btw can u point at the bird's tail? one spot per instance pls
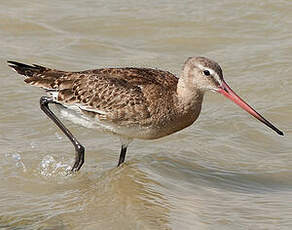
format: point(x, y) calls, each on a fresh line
point(37, 75)
point(27, 70)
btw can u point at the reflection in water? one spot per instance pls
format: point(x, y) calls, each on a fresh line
point(125, 195)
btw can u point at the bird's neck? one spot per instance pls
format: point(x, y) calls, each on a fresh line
point(188, 104)
point(189, 98)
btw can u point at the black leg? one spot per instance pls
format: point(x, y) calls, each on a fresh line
point(79, 149)
point(122, 154)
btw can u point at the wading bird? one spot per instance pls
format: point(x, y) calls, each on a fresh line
point(141, 103)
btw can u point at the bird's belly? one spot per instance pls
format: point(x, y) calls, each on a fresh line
point(75, 116)
point(133, 131)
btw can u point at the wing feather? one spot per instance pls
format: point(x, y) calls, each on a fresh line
point(120, 95)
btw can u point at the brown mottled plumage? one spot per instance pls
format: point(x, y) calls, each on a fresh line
point(133, 103)
point(124, 96)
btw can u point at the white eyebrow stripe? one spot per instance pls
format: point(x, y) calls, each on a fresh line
point(212, 72)
point(205, 68)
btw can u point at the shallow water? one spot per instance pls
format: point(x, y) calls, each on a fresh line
point(227, 171)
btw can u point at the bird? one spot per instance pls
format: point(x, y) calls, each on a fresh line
point(130, 102)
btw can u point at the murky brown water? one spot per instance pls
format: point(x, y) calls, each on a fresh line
point(227, 171)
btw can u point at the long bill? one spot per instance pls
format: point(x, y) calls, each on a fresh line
point(229, 93)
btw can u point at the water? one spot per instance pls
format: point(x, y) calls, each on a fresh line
point(227, 171)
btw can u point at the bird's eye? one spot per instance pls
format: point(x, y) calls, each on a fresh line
point(207, 72)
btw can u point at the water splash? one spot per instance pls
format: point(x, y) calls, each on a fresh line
point(50, 167)
point(58, 136)
point(32, 144)
point(15, 159)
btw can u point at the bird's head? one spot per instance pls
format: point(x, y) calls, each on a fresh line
point(203, 74)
